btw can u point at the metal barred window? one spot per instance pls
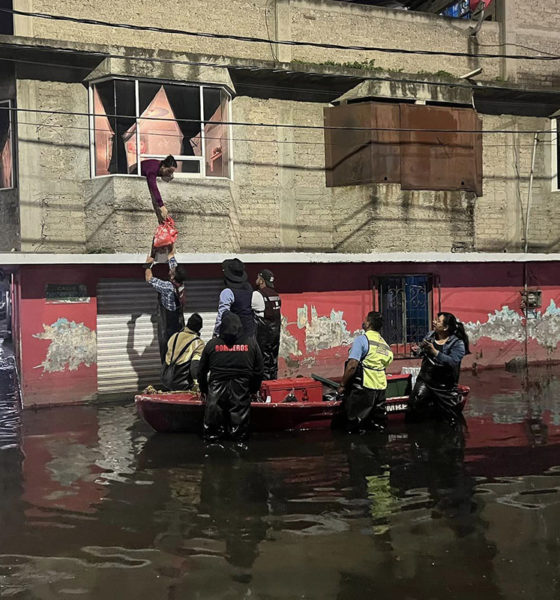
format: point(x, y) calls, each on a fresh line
point(404, 302)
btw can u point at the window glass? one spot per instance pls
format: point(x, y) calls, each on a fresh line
point(215, 132)
point(6, 159)
point(151, 120)
point(178, 131)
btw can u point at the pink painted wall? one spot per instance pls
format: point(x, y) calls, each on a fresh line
point(340, 296)
point(47, 380)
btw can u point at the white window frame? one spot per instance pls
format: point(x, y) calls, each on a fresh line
point(139, 156)
point(11, 143)
point(554, 147)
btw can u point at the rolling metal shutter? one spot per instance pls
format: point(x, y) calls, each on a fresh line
point(128, 352)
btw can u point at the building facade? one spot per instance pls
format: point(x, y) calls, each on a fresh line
point(331, 152)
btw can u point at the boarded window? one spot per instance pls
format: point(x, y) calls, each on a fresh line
point(361, 144)
point(364, 145)
point(431, 158)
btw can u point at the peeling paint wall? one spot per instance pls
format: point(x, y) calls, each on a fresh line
point(506, 324)
point(72, 344)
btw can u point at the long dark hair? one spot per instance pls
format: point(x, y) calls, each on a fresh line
point(455, 327)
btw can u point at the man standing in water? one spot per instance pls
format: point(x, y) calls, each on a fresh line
point(364, 381)
point(266, 305)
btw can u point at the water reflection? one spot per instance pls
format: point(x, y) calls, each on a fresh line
point(96, 505)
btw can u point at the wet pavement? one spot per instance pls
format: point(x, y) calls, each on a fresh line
point(95, 505)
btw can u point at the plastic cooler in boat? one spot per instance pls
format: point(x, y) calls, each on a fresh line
point(297, 389)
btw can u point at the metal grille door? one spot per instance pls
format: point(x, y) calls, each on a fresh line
point(127, 343)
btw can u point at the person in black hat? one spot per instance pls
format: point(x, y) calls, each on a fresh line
point(266, 306)
point(236, 296)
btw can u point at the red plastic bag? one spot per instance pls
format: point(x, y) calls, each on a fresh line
point(165, 234)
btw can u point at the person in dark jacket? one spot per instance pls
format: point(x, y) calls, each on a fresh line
point(442, 350)
point(235, 364)
point(236, 296)
point(184, 349)
point(266, 305)
point(152, 169)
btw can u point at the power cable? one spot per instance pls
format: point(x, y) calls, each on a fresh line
point(238, 139)
point(251, 39)
point(277, 125)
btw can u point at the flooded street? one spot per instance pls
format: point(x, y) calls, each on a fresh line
point(93, 504)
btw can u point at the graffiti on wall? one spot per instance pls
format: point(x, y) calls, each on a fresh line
point(506, 324)
point(71, 345)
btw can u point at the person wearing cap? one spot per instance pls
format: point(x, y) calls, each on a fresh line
point(266, 305)
point(236, 296)
point(184, 349)
point(231, 369)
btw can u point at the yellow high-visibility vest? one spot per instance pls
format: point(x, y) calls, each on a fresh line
point(379, 356)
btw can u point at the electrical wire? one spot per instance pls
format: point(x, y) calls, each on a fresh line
point(251, 39)
point(276, 125)
point(238, 139)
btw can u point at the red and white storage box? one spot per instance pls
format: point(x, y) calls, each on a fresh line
point(304, 389)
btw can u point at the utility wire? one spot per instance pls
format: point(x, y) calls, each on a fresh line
point(273, 125)
point(242, 38)
point(238, 139)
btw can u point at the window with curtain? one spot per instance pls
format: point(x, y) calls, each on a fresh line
point(6, 146)
point(139, 120)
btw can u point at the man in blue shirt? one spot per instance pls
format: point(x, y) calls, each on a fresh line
point(364, 381)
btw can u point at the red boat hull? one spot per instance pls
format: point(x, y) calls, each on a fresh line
point(183, 412)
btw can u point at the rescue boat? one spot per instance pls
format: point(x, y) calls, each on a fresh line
point(296, 404)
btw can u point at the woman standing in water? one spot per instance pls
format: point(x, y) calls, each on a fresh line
point(442, 350)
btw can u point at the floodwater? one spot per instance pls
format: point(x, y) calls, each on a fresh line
point(94, 505)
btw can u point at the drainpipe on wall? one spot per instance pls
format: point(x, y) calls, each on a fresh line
point(530, 194)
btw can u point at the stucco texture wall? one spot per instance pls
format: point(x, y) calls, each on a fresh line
point(9, 217)
point(277, 199)
point(324, 21)
point(53, 153)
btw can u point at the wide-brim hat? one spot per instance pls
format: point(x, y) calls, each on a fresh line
point(234, 270)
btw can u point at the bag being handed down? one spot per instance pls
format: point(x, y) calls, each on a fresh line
point(165, 234)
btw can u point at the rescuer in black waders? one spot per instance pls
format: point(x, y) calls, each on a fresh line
point(435, 393)
point(234, 362)
point(266, 306)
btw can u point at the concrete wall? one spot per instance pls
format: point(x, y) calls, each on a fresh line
point(322, 21)
point(9, 217)
point(530, 28)
point(277, 199)
point(53, 156)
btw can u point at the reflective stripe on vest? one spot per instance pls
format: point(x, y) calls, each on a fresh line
point(375, 361)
